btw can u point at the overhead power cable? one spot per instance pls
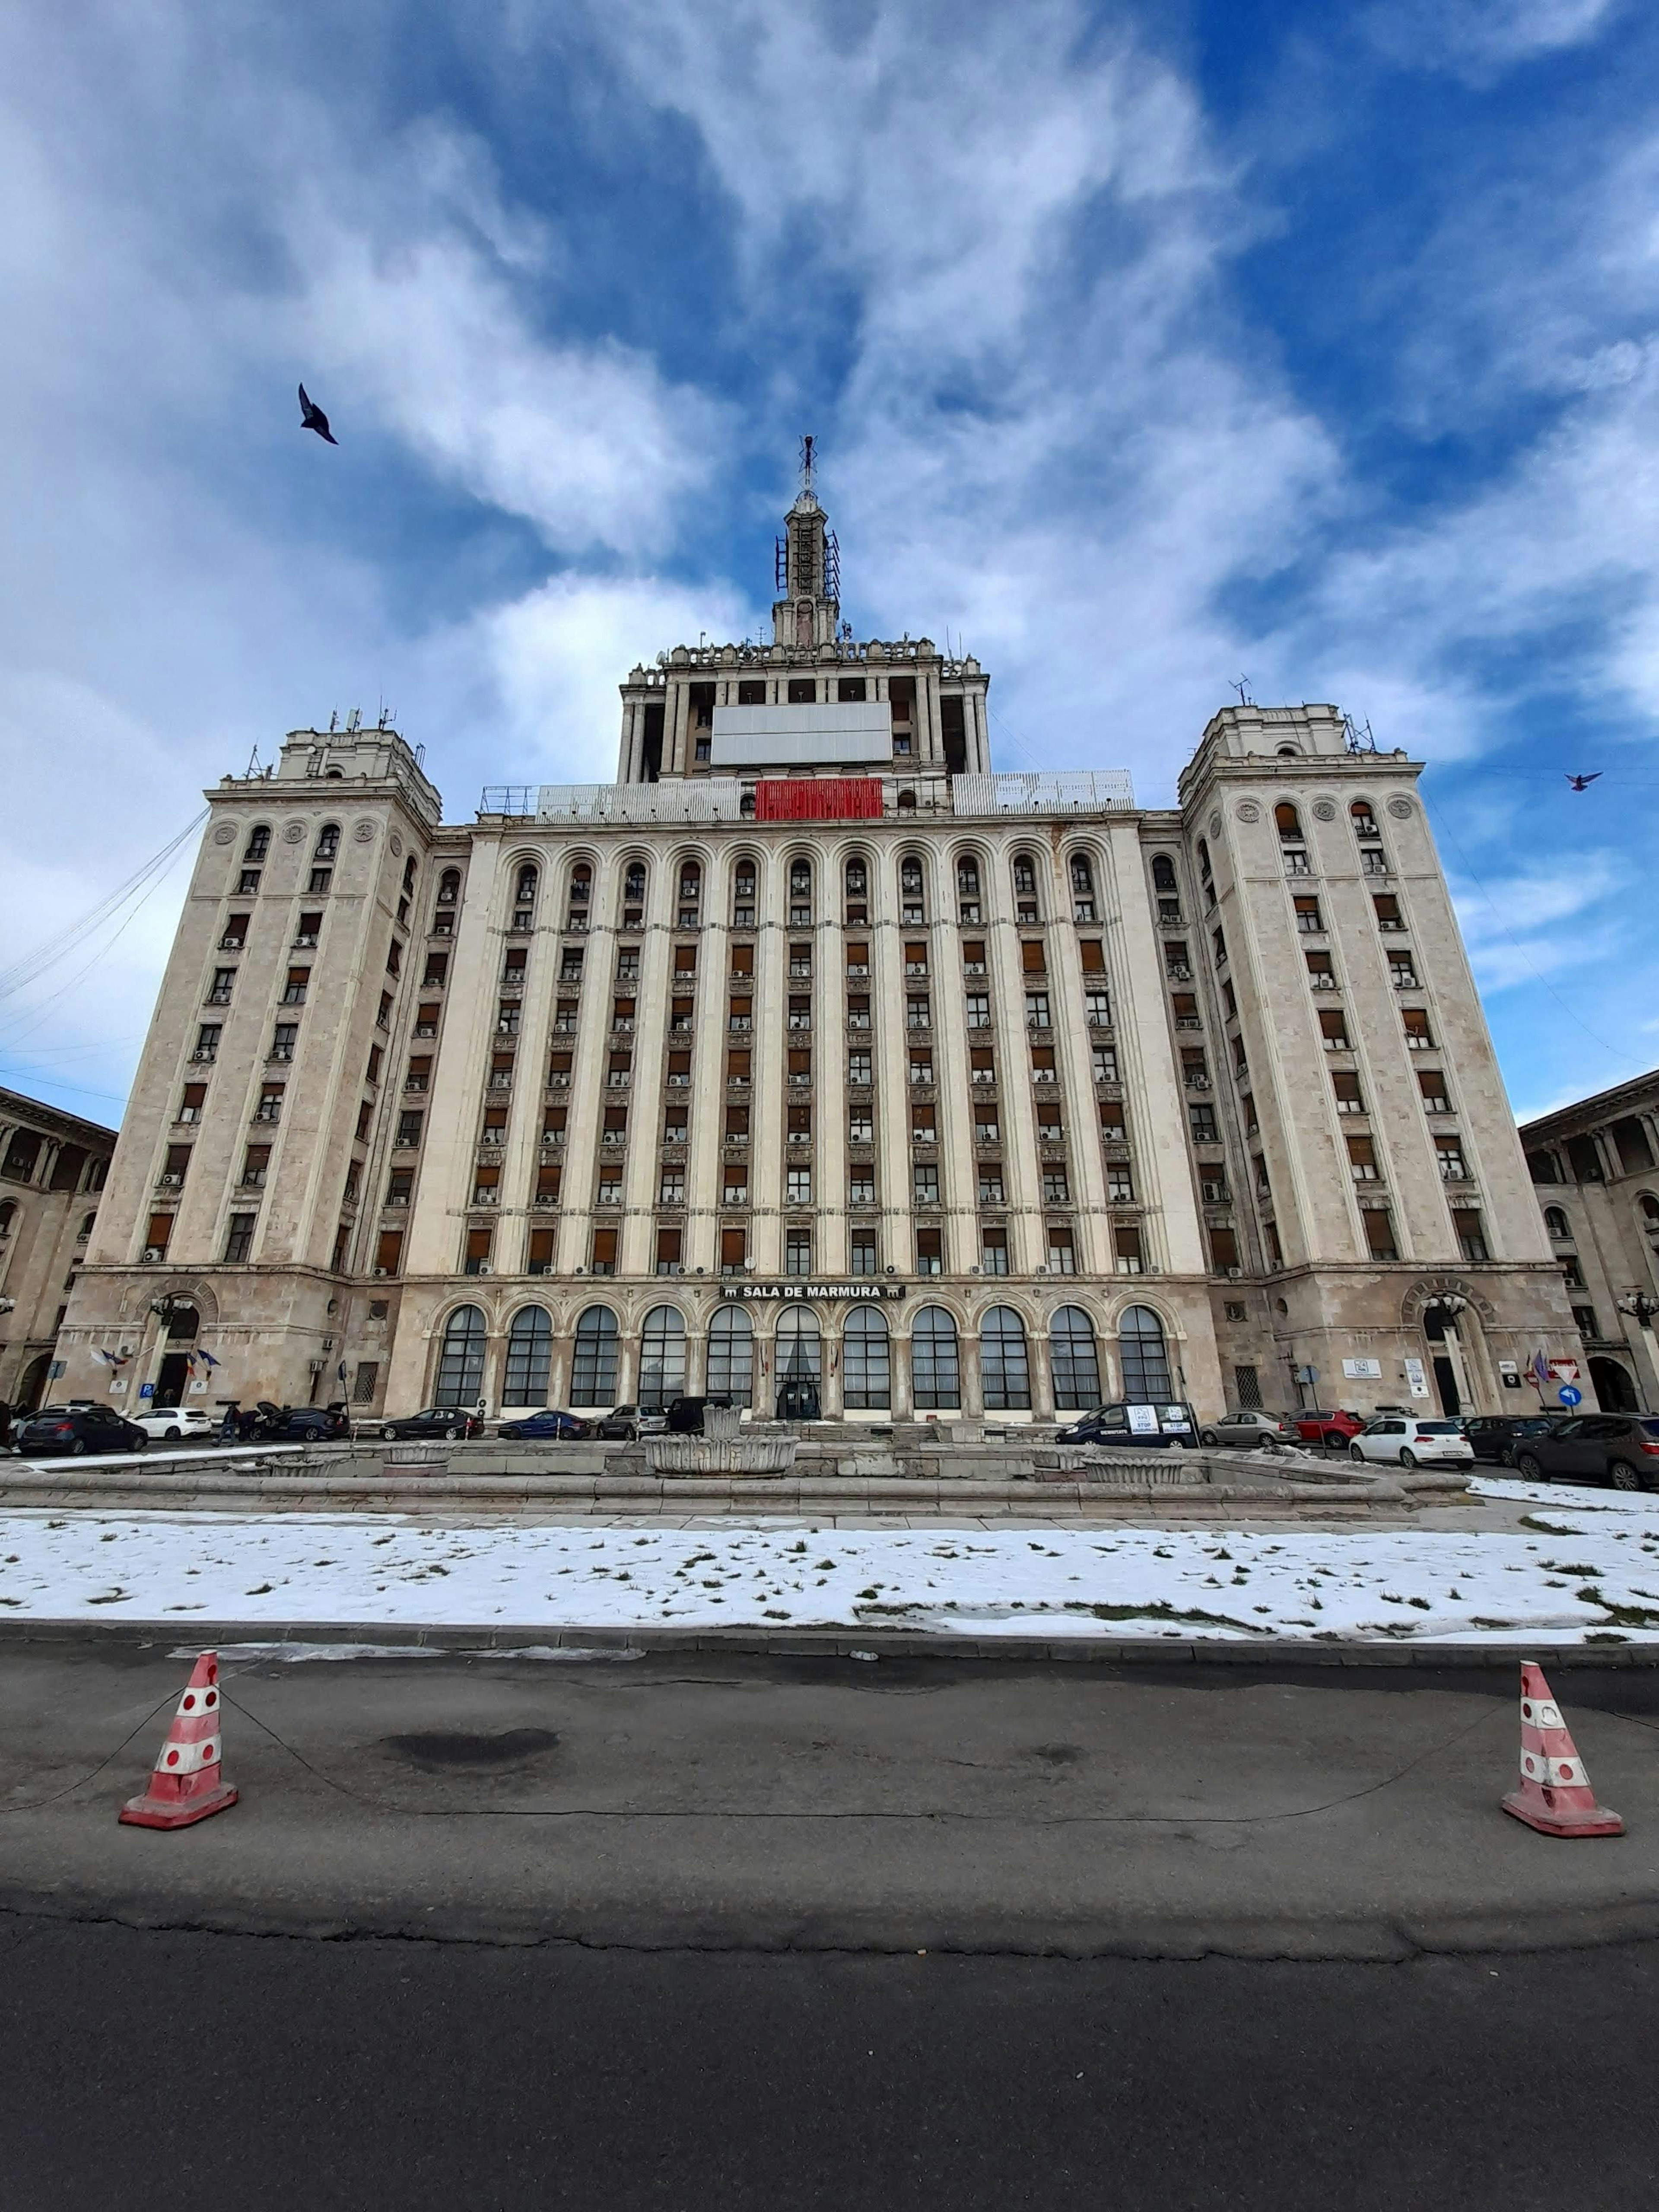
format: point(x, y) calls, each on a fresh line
point(135, 889)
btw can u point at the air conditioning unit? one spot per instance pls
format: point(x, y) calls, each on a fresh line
point(483, 1268)
point(153, 1253)
point(170, 1182)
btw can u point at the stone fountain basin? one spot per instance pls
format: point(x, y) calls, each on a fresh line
point(734, 1456)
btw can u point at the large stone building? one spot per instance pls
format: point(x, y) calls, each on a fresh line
point(1595, 1170)
point(52, 1167)
point(810, 1048)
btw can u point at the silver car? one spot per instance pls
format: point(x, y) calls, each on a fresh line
point(1244, 1431)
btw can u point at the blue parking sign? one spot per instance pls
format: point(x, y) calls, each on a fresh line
point(1569, 1396)
point(146, 1390)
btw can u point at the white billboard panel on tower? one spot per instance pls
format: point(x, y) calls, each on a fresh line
point(818, 733)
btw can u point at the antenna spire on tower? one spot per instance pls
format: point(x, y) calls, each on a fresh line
point(807, 446)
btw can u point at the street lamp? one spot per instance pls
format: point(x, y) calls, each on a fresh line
point(1641, 1307)
point(168, 1308)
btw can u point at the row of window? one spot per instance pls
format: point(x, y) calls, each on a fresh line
point(856, 874)
point(867, 1351)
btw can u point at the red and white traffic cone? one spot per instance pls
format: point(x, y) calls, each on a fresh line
point(186, 1785)
point(1555, 1796)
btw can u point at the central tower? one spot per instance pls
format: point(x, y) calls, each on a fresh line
point(807, 613)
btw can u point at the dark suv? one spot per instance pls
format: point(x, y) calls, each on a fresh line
point(684, 1416)
point(1498, 1438)
point(1622, 1449)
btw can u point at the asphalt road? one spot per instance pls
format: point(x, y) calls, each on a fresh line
point(707, 1801)
point(139, 2067)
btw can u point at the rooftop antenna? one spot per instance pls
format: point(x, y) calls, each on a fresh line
point(253, 768)
point(1241, 685)
point(354, 721)
point(333, 720)
point(806, 447)
point(1358, 735)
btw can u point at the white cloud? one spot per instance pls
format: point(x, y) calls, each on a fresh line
point(1476, 38)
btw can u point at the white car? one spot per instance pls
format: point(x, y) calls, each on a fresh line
point(174, 1423)
point(1408, 1440)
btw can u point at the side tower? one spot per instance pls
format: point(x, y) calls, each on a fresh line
point(1384, 1194)
point(231, 1211)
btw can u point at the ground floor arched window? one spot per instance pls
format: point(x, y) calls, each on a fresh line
point(593, 1369)
point(799, 1347)
point(935, 1363)
point(1074, 1361)
point(460, 1364)
point(1146, 1361)
point(867, 1367)
point(662, 1359)
point(731, 1356)
point(1005, 1371)
point(529, 1355)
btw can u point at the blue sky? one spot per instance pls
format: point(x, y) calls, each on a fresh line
point(1145, 346)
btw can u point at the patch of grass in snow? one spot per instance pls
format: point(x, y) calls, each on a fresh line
point(1548, 1528)
point(1560, 1567)
point(1163, 1612)
point(1627, 1616)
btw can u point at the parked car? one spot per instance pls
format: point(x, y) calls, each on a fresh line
point(624, 1423)
point(1145, 1427)
point(172, 1423)
point(454, 1422)
point(1411, 1440)
point(684, 1416)
point(1621, 1449)
point(1244, 1430)
point(1332, 1429)
point(1497, 1438)
point(549, 1426)
point(78, 1429)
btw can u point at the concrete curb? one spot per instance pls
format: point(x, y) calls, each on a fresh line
point(829, 1644)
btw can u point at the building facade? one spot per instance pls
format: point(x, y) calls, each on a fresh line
point(52, 1167)
point(1595, 1169)
point(813, 1050)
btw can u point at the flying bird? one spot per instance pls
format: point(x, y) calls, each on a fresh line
point(1584, 782)
point(311, 417)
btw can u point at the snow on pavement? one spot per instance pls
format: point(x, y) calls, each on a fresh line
point(1586, 1565)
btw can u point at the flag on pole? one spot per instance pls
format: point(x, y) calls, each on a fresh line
point(205, 1357)
point(114, 1358)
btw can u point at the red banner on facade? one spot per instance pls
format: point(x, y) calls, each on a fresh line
point(819, 799)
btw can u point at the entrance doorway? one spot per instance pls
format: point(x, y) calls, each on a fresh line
point(1446, 1357)
point(31, 1390)
point(1445, 1382)
point(1615, 1392)
point(170, 1383)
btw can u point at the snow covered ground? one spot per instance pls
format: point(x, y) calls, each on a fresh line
point(1586, 1564)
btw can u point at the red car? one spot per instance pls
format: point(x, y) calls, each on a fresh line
point(1332, 1430)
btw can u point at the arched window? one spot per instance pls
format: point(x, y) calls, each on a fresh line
point(593, 1369)
point(258, 844)
point(1649, 1206)
point(1005, 1371)
point(9, 1214)
point(1364, 822)
point(866, 1360)
point(731, 1356)
point(529, 1351)
point(634, 886)
point(857, 881)
point(907, 802)
point(1204, 859)
point(690, 898)
point(1025, 883)
point(581, 896)
point(743, 896)
point(800, 891)
point(1073, 1361)
point(1083, 888)
point(449, 887)
point(183, 1324)
point(460, 1364)
point(528, 879)
point(912, 897)
point(935, 1365)
point(662, 1359)
point(83, 1231)
point(799, 1347)
point(1287, 752)
point(968, 878)
point(1146, 1362)
point(409, 873)
point(1163, 875)
point(1290, 823)
point(328, 842)
point(1556, 1222)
